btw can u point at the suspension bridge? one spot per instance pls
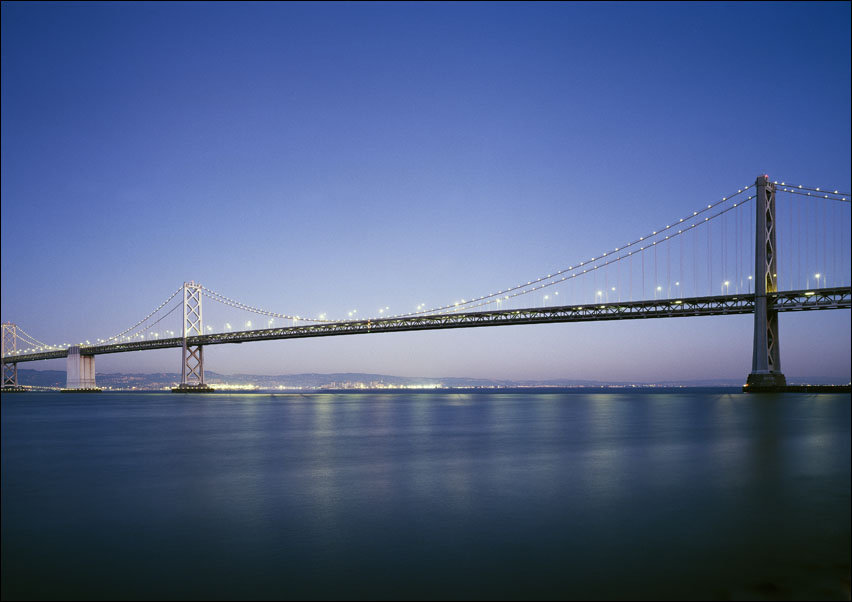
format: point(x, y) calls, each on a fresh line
point(719, 259)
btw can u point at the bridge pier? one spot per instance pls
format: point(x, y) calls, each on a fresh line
point(192, 356)
point(79, 372)
point(10, 379)
point(766, 372)
point(10, 346)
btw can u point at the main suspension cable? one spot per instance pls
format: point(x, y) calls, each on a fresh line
point(145, 319)
point(523, 287)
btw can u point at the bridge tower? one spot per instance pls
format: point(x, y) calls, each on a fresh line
point(192, 358)
point(766, 358)
point(10, 346)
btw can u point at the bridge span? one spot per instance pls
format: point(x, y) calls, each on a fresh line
point(720, 305)
point(765, 301)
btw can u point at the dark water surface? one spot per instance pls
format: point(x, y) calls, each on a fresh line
point(685, 494)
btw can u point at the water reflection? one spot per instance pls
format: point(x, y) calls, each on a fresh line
point(671, 495)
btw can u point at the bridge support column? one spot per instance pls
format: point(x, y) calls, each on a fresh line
point(766, 358)
point(10, 376)
point(192, 356)
point(9, 347)
point(79, 372)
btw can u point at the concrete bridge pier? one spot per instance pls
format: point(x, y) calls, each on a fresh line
point(80, 372)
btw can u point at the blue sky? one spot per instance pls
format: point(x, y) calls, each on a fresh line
point(317, 158)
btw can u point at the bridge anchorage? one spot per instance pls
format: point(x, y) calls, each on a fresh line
point(192, 362)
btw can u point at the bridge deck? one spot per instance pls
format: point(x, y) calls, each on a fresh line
point(802, 300)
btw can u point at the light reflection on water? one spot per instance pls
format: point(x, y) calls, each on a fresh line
point(685, 494)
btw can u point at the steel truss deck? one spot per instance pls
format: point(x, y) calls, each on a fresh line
point(801, 300)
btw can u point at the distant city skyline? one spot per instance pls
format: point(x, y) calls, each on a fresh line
point(317, 159)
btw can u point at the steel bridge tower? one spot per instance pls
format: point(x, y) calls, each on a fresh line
point(192, 357)
point(766, 358)
point(9, 347)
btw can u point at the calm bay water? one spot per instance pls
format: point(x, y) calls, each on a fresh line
point(651, 494)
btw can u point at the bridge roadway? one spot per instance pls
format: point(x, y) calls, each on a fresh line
point(801, 300)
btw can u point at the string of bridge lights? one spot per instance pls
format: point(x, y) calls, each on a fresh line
point(213, 295)
point(829, 196)
point(34, 348)
point(34, 343)
point(141, 332)
point(143, 320)
point(220, 298)
point(609, 261)
point(467, 304)
point(814, 189)
point(37, 345)
point(28, 337)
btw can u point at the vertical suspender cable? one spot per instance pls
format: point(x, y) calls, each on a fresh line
point(709, 258)
point(834, 244)
point(799, 239)
point(737, 244)
point(668, 270)
point(594, 282)
point(825, 240)
point(807, 251)
point(752, 242)
point(680, 271)
point(790, 283)
point(694, 263)
point(656, 278)
point(725, 247)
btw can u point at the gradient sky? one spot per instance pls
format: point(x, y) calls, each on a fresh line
point(311, 158)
